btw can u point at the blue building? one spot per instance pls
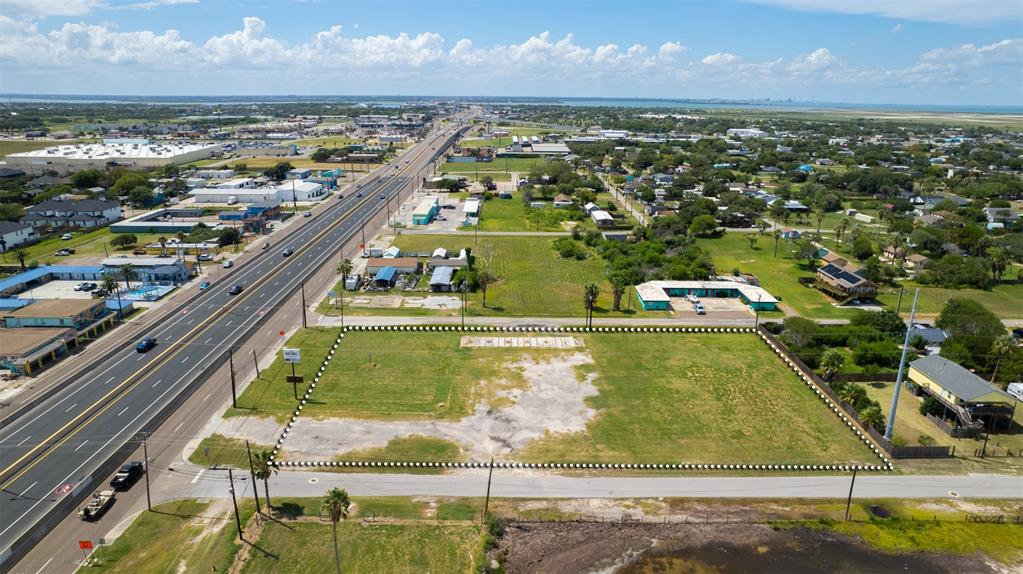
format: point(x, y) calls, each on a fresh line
point(657, 295)
point(40, 275)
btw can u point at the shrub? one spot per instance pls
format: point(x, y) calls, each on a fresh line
point(931, 406)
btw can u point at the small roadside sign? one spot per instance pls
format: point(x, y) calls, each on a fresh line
point(295, 378)
point(292, 355)
point(281, 333)
point(332, 294)
point(85, 544)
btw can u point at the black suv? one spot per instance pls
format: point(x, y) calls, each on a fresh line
point(235, 290)
point(128, 475)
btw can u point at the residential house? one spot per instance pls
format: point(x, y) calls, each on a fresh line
point(151, 270)
point(602, 218)
point(13, 234)
point(400, 264)
point(968, 400)
point(893, 253)
point(845, 282)
point(1000, 217)
point(84, 214)
point(789, 233)
point(562, 200)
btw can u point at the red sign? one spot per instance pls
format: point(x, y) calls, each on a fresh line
point(281, 333)
point(85, 544)
point(63, 489)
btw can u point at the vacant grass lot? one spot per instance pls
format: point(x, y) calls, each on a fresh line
point(266, 162)
point(778, 275)
point(179, 536)
point(303, 547)
point(534, 280)
point(691, 398)
point(513, 215)
point(519, 164)
point(1004, 300)
point(88, 244)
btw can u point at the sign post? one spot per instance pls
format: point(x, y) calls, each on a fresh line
point(293, 356)
point(85, 546)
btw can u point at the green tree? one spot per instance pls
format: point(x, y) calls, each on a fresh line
point(484, 279)
point(263, 466)
point(337, 505)
point(128, 274)
point(128, 181)
point(123, 241)
point(163, 246)
point(777, 236)
point(108, 283)
point(972, 327)
point(141, 195)
point(619, 283)
point(819, 215)
point(86, 178)
point(999, 259)
point(872, 416)
point(228, 236)
point(832, 363)
point(862, 249)
point(702, 226)
point(841, 228)
point(11, 212)
point(806, 250)
point(21, 255)
point(1002, 349)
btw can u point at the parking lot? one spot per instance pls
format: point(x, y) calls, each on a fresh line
point(714, 307)
point(57, 290)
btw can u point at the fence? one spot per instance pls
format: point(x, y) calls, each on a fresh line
point(891, 449)
point(886, 377)
point(954, 432)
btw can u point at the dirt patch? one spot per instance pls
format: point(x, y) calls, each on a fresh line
point(521, 342)
point(628, 548)
point(551, 401)
point(432, 302)
point(379, 301)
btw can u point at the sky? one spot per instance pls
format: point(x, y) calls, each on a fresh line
point(938, 52)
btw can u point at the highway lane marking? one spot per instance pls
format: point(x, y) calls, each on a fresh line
point(207, 397)
point(47, 563)
point(122, 411)
point(23, 492)
point(157, 383)
point(173, 351)
point(85, 462)
point(207, 342)
point(71, 407)
point(179, 426)
point(110, 380)
point(81, 445)
point(23, 440)
point(198, 476)
point(229, 323)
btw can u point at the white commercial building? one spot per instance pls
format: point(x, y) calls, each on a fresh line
point(140, 154)
point(236, 183)
point(290, 191)
point(746, 133)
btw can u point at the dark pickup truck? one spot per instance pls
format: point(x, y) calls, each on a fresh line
point(128, 475)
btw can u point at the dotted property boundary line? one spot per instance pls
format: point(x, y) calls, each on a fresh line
point(851, 424)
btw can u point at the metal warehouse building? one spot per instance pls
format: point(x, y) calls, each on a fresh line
point(141, 154)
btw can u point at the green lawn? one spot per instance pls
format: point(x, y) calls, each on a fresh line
point(224, 451)
point(179, 536)
point(670, 398)
point(534, 280)
point(303, 547)
point(779, 276)
point(1004, 300)
point(513, 215)
point(502, 165)
point(85, 244)
point(1003, 542)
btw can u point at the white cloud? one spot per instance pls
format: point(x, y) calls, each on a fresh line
point(898, 28)
point(721, 59)
point(150, 4)
point(1008, 51)
point(42, 8)
point(947, 11)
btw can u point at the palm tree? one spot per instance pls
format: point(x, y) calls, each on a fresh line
point(483, 280)
point(590, 294)
point(163, 245)
point(128, 273)
point(21, 255)
point(344, 269)
point(1002, 348)
point(337, 504)
point(619, 282)
point(110, 285)
point(819, 214)
point(840, 229)
point(832, 362)
point(752, 240)
point(872, 416)
point(777, 235)
point(264, 467)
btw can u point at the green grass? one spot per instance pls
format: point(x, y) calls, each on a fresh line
point(534, 280)
point(700, 398)
point(503, 165)
point(779, 276)
point(1003, 542)
point(1004, 300)
point(224, 451)
point(179, 536)
point(326, 141)
point(513, 215)
point(411, 448)
point(304, 547)
point(678, 398)
point(88, 244)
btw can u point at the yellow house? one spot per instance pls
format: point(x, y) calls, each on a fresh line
point(969, 396)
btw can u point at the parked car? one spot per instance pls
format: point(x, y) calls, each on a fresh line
point(100, 293)
point(235, 290)
point(288, 252)
point(307, 214)
point(204, 285)
point(205, 257)
point(128, 475)
point(340, 196)
point(699, 309)
point(65, 237)
point(145, 345)
point(228, 264)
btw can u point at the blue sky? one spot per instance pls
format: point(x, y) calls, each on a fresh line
point(876, 51)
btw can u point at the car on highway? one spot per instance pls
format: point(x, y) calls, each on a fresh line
point(266, 245)
point(235, 290)
point(699, 309)
point(145, 345)
point(382, 196)
point(358, 194)
point(128, 475)
point(204, 285)
point(288, 252)
point(228, 264)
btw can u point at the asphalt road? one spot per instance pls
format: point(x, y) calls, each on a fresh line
point(54, 450)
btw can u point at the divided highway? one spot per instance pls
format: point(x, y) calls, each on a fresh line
point(52, 456)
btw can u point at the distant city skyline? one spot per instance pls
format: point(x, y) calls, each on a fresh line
point(944, 52)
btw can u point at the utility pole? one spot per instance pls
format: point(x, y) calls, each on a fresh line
point(898, 305)
point(237, 517)
point(302, 289)
point(848, 500)
point(890, 426)
point(145, 455)
point(252, 471)
point(486, 501)
point(255, 362)
point(230, 362)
